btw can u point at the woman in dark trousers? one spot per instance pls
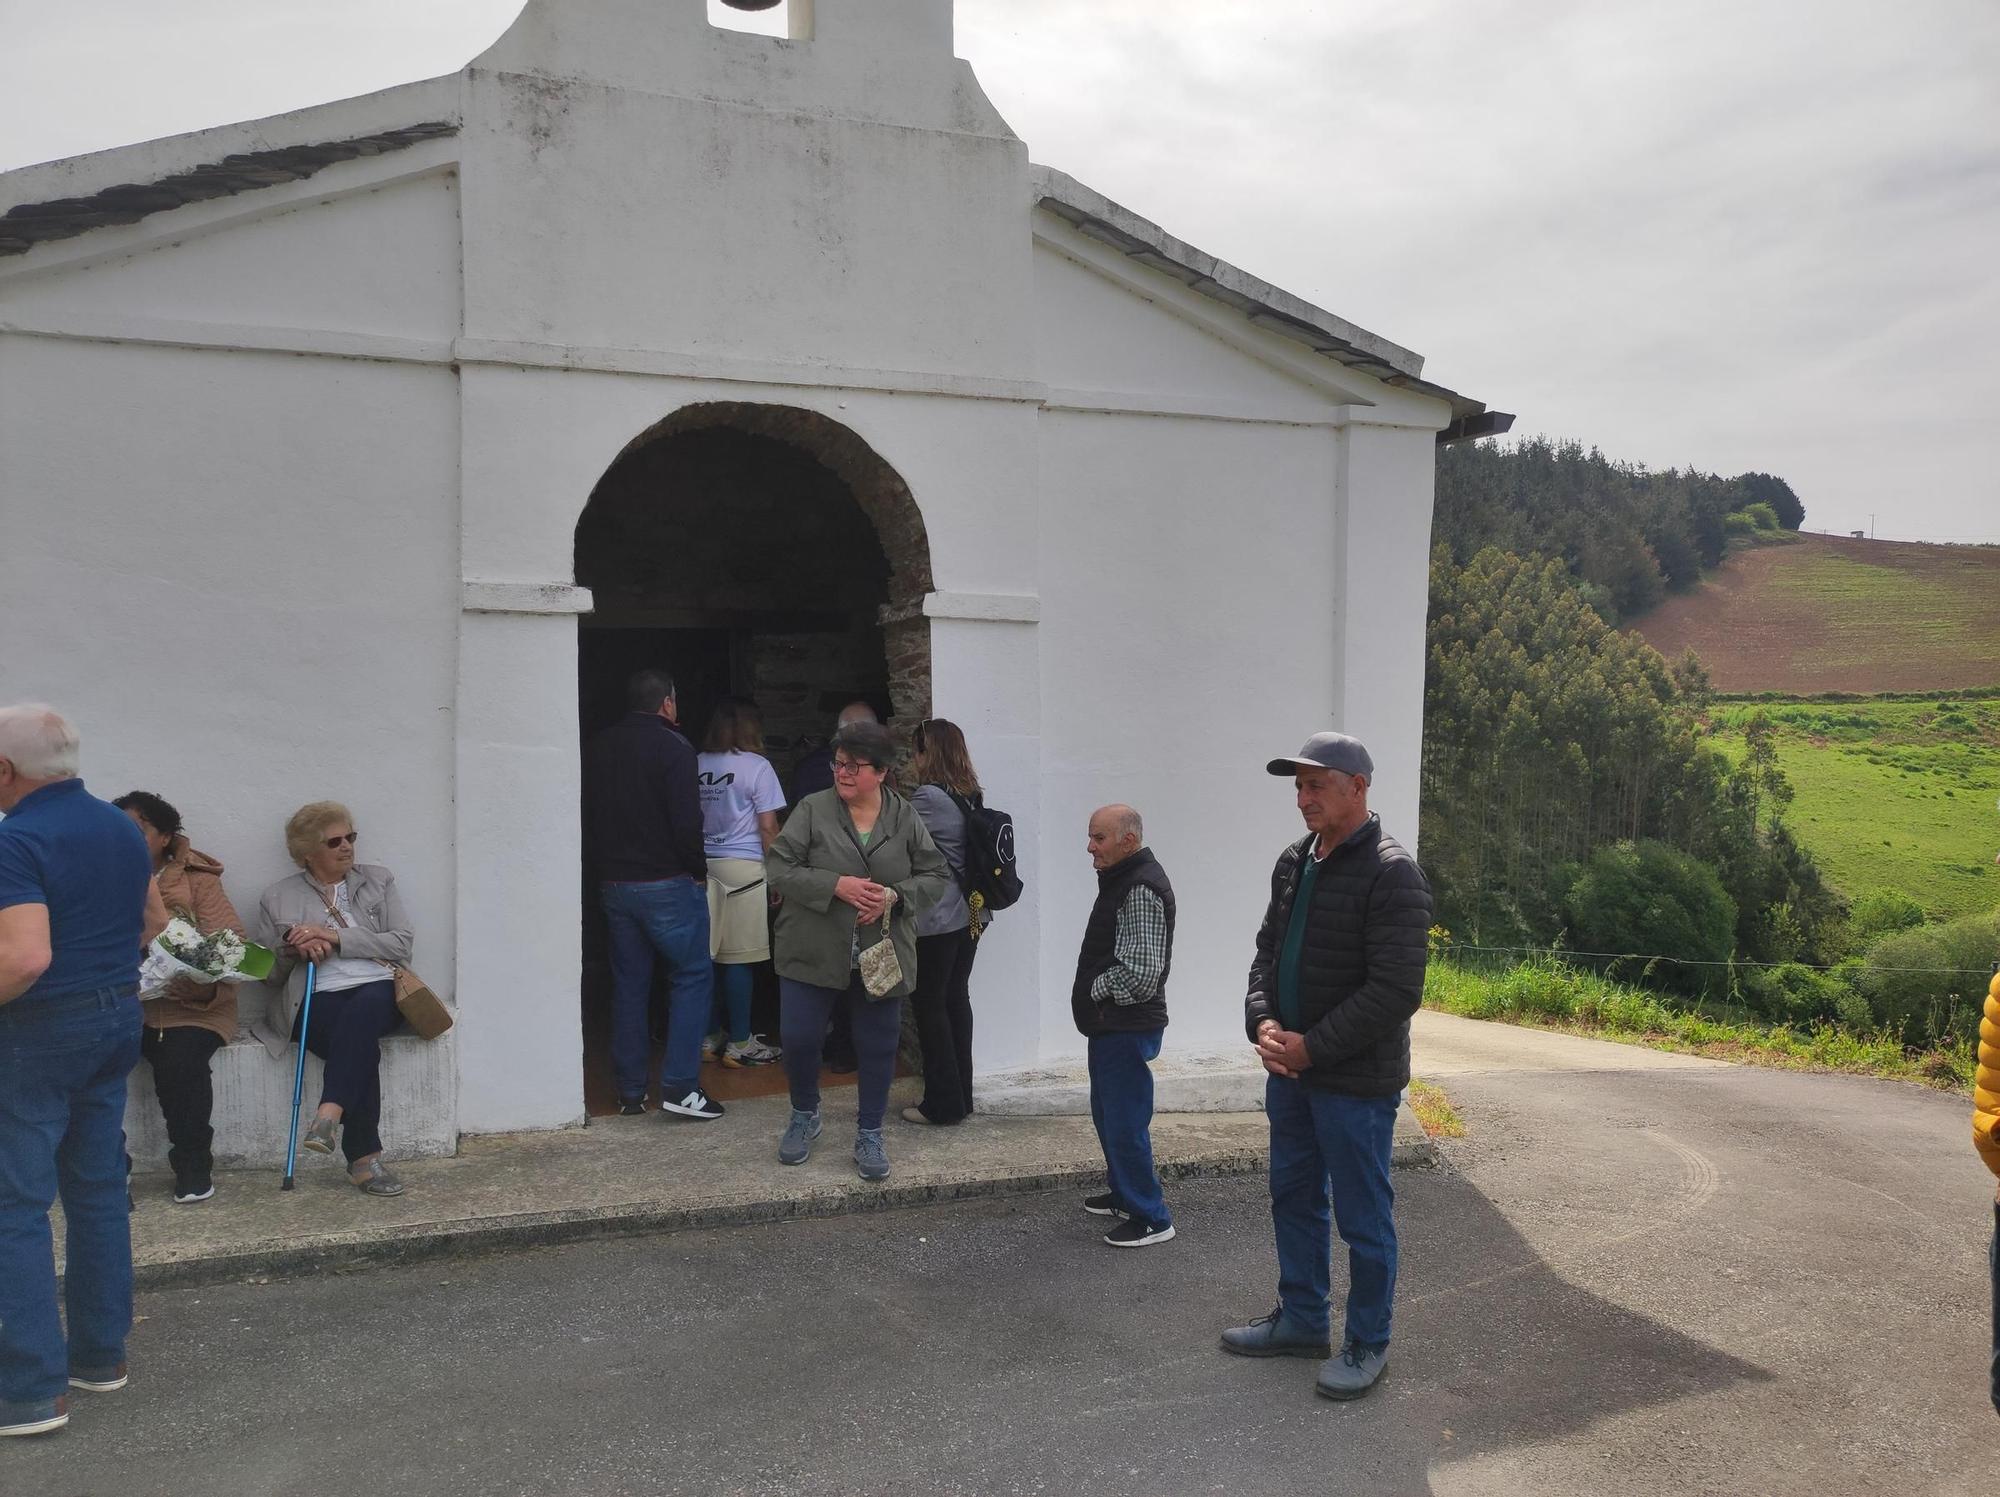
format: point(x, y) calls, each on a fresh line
point(947, 932)
point(852, 867)
point(191, 1020)
point(346, 917)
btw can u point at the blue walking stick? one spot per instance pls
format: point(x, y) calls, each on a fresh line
point(299, 1075)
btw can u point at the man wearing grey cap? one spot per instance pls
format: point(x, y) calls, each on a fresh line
point(1338, 973)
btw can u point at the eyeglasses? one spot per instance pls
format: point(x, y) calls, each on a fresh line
point(846, 767)
point(346, 840)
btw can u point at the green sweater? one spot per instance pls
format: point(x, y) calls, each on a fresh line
point(813, 940)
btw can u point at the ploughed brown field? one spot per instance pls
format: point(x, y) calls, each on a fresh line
point(1833, 614)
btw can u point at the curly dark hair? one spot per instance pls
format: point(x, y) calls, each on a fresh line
point(153, 810)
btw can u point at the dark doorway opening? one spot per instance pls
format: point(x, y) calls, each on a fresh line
point(758, 551)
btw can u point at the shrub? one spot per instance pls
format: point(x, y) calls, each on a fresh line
point(1738, 526)
point(1760, 515)
point(1796, 994)
point(1882, 913)
point(1648, 898)
point(1926, 985)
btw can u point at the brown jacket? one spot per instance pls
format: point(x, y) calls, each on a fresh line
point(191, 885)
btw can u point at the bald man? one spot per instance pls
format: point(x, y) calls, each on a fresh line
point(1119, 1002)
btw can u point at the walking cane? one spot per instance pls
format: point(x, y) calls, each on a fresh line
point(299, 1076)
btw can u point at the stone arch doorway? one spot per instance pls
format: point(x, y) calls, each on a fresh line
point(757, 550)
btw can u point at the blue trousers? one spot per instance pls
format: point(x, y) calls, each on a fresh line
point(804, 1010)
point(347, 1029)
point(1327, 1146)
point(732, 999)
point(63, 1064)
point(665, 920)
point(1121, 1105)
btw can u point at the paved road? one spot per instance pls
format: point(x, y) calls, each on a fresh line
point(1634, 1277)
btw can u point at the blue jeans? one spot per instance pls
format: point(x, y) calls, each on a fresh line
point(1121, 1105)
point(63, 1064)
point(1321, 1139)
point(732, 999)
point(804, 1011)
point(667, 919)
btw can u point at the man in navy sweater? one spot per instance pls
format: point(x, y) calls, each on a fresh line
point(643, 834)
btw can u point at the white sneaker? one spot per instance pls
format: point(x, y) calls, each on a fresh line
point(713, 1046)
point(755, 1051)
point(695, 1104)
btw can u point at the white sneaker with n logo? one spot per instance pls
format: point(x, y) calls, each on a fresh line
point(695, 1104)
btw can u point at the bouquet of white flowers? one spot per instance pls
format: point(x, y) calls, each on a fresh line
point(182, 951)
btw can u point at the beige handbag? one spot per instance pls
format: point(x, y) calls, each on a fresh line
point(421, 1009)
point(881, 972)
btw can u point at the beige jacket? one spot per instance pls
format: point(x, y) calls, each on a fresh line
point(191, 886)
point(381, 932)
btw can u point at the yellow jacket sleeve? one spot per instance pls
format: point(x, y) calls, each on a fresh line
point(1986, 1083)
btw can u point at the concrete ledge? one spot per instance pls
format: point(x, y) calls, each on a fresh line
point(629, 1176)
point(253, 1099)
point(1223, 1081)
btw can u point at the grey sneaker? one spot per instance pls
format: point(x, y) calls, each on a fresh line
point(1357, 1369)
point(870, 1158)
point(1272, 1336)
point(797, 1145)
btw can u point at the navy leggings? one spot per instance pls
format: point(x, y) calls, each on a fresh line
point(346, 1033)
point(803, 1011)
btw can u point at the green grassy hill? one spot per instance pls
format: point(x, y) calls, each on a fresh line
point(1892, 793)
point(1827, 614)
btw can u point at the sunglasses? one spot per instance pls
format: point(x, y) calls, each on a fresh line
point(346, 840)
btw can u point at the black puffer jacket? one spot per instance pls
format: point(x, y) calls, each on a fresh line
point(1362, 968)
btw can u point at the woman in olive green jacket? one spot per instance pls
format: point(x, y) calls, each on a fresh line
point(851, 868)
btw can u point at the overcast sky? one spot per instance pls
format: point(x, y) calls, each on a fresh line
point(1728, 234)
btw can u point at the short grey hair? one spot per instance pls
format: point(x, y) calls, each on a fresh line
point(39, 742)
point(1125, 822)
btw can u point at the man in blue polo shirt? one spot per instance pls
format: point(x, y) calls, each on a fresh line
point(74, 881)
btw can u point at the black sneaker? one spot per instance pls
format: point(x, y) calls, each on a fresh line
point(1104, 1205)
point(192, 1183)
point(694, 1104)
point(631, 1107)
point(1134, 1233)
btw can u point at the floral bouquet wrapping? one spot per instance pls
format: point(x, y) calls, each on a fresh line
point(182, 951)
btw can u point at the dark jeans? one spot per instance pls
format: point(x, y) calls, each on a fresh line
point(1321, 1139)
point(943, 1003)
point(1121, 1105)
point(63, 1064)
point(180, 1057)
point(732, 999)
point(803, 1011)
point(346, 1033)
point(668, 920)
point(1993, 1262)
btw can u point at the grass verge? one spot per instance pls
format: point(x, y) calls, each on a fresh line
point(1550, 993)
point(1434, 1110)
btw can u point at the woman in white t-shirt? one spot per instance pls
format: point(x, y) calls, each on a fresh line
point(740, 802)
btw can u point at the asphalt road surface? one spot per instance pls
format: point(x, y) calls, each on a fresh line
point(1633, 1277)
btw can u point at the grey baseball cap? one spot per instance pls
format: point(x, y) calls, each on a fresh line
point(1327, 751)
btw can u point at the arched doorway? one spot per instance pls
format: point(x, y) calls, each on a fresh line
point(756, 550)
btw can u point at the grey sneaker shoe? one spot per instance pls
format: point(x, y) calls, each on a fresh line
point(1357, 1369)
point(1272, 1336)
point(797, 1145)
point(870, 1158)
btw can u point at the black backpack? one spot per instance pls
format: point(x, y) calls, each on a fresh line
point(991, 874)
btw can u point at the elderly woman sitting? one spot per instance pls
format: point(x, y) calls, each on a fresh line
point(347, 919)
point(186, 1026)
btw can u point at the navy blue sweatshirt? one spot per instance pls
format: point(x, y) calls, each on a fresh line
point(642, 803)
